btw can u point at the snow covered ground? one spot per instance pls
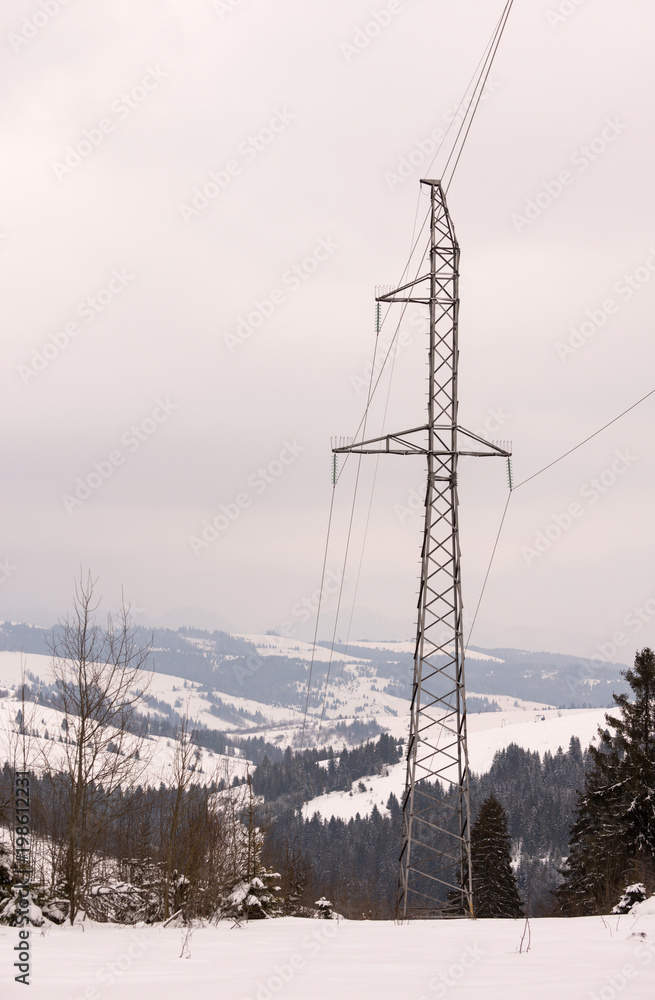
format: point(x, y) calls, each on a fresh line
point(589, 958)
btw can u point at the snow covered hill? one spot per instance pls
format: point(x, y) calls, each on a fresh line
point(259, 690)
point(44, 726)
point(489, 732)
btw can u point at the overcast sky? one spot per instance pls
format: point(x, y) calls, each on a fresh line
point(174, 168)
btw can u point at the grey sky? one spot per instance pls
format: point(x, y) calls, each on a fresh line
point(296, 138)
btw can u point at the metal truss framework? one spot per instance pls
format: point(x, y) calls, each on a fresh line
point(435, 877)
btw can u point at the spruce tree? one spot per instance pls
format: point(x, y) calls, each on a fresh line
point(613, 836)
point(494, 885)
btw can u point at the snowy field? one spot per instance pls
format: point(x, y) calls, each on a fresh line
point(588, 958)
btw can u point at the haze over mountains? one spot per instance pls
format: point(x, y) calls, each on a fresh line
point(359, 622)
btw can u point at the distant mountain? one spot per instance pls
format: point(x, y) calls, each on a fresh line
point(260, 672)
point(191, 617)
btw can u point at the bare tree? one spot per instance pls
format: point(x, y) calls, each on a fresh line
point(184, 758)
point(100, 674)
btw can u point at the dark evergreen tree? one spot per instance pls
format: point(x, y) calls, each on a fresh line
point(6, 877)
point(494, 885)
point(613, 837)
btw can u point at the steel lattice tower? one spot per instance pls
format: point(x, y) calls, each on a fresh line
point(435, 861)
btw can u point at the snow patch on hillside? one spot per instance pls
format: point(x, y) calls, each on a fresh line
point(277, 645)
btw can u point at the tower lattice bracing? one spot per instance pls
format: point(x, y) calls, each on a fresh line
point(435, 868)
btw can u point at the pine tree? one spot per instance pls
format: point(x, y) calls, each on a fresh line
point(494, 885)
point(6, 877)
point(613, 836)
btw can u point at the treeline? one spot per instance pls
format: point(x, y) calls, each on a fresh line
point(539, 795)
point(302, 776)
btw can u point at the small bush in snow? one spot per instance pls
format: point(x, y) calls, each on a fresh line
point(255, 898)
point(633, 894)
point(325, 908)
point(14, 911)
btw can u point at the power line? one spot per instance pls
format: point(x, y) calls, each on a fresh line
point(534, 475)
point(373, 390)
point(484, 585)
point(579, 445)
point(479, 88)
point(318, 613)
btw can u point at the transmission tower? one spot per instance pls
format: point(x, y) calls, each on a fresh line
point(435, 876)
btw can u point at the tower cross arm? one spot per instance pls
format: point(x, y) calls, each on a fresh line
point(492, 449)
point(397, 444)
point(389, 444)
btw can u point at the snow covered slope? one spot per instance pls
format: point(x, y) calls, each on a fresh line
point(277, 645)
point(488, 732)
point(45, 725)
